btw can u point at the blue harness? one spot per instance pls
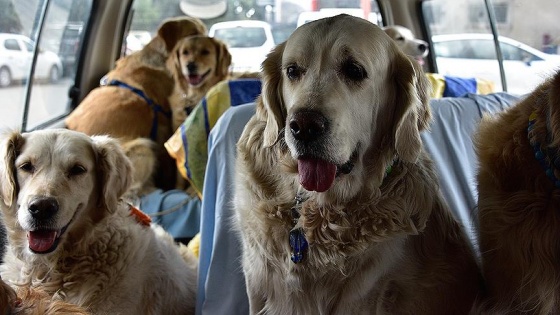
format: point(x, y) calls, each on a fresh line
point(155, 107)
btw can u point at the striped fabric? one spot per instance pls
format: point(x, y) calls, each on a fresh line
point(189, 144)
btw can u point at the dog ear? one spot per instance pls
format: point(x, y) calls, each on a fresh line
point(271, 96)
point(223, 59)
point(11, 145)
point(172, 30)
point(412, 111)
point(173, 62)
point(114, 170)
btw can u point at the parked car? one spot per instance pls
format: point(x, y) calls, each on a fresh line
point(136, 40)
point(70, 46)
point(133, 44)
point(143, 36)
point(16, 53)
point(468, 55)
point(248, 42)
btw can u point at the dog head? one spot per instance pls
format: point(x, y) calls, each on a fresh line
point(407, 42)
point(201, 60)
point(174, 29)
point(54, 182)
point(346, 100)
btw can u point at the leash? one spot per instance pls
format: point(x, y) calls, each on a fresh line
point(155, 107)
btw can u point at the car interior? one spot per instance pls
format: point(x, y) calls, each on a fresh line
point(483, 57)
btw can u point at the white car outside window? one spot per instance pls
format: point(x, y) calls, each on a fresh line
point(248, 42)
point(16, 53)
point(474, 55)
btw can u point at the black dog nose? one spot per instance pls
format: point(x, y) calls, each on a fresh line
point(308, 125)
point(422, 47)
point(191, 67)
point(43, 207)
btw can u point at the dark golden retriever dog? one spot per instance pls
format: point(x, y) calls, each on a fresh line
point(197, 64)
point(135, 101)
point(519, 204)
point(337, 203)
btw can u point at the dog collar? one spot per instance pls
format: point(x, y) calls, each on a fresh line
point(548, 158)
point(155, 107)
point(140, 216)
point(298, 242)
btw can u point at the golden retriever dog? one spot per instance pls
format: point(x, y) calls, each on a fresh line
point(337, 203)
point(407, 42)
point(135, 101)
point(29, 301)
point(519, 203)
point(71, 235)
point(109, 109)
point(142, 154)
point(197, 64)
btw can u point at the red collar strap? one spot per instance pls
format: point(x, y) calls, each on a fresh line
point(140, 216)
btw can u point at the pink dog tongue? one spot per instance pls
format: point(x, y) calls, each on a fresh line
point(315, 174)
point(195, 79)
point(41, 241)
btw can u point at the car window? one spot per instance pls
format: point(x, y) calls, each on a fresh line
point(511, 52)
point(242, 37)
point(28, 45)
point(281, 16)
point(483, 49)
point(464, 45)
point(37, 81)
point(11, 44)
point(454, 49)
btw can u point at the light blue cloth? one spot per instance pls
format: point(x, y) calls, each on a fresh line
point(176, 211)
point(221, 283)
point(449, 143)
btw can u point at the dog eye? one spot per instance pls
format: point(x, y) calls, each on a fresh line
point(27, 167)
point(400, 38)
point(205, 52)
point(294, 72)
point(353, 71)
point(76, 170)
point(185, 52)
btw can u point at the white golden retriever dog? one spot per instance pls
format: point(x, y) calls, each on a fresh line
point(407, 42)
point(70, 234)
point(337, 205)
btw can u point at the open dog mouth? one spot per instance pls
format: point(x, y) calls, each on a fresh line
point(316, 174)
point(44, 241)
point(197, 79)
